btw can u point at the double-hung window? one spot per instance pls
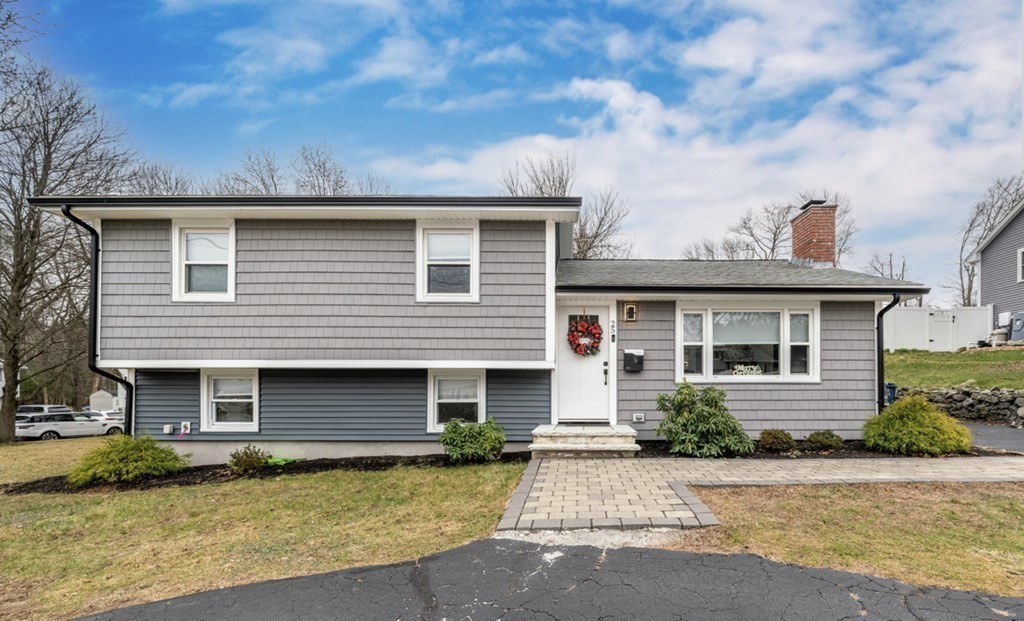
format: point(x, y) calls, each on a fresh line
point(1020, 265)
point(203, 256)
point(230, 400)
point(455, 394)
point(742, 345)
point(448, 263)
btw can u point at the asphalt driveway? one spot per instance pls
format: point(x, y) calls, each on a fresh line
point(507, 579)
point(998, 437)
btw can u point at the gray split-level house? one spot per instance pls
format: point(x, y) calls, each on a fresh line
point(999, 260)
point(335, 326)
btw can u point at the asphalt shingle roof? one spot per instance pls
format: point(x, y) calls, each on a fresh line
point(644, 274)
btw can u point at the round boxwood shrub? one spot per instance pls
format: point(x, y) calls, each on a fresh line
point(124, 459)
point(472, 442)
point(776, 441)
point(826, 440)
point(698, 424)
point(248, 460)
point(913, 426)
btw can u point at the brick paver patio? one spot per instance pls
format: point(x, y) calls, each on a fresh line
point(647, 493)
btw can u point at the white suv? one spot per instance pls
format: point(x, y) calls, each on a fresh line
point(62, 425)
point(43, 409)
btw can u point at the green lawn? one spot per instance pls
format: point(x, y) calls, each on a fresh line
point(70, 554)
point(988, 367)
point(960, 536)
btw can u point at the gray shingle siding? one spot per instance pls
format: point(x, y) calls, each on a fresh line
point(321, 290)
point(340, 405)
point(843, 400)
point(998, 273)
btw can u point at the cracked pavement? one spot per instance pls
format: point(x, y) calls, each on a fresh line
point(509, 579)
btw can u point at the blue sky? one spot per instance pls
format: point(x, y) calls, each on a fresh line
point(696, 110)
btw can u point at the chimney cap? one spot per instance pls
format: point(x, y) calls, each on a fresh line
point(814, 202)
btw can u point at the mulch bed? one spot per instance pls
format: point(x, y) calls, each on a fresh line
point(199, 475)
point(851, 450)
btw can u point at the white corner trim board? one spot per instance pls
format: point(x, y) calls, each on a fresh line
point(522, 365)
point(550, 260)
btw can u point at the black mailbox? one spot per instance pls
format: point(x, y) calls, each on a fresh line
point(633, 360)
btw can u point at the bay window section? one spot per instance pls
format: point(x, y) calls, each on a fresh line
point(799, 343)
point(693, 343)
point(744, 343)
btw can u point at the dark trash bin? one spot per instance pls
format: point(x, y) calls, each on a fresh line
point(890, 392)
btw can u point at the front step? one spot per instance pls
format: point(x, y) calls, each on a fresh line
point(584, 441)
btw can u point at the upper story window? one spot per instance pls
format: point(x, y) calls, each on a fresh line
point(448, 262)
point(746, 345)
point(1020, 265)
point(203, 259)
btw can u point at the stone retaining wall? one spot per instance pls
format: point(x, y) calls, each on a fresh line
point(969, 403)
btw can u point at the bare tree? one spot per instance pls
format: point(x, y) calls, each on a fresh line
point(318, 172)
point(1001, 197)
point(846, 225)
point(260, 175)
point(153, 179)
point(554, 175)
point(888, 266)
point(765, 232)
point(707, 249)
point(62, 146)
point(597, 234)
point(373, 184)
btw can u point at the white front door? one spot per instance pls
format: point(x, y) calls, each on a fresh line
point(582, 380)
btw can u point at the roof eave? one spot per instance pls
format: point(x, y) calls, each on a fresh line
point(765, 289)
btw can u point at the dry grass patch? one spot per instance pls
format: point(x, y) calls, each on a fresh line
point(71, 554)
point(27, 461)
point(960, 536)
point(1003, 367)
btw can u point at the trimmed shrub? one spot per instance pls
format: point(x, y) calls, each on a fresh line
point(472, 442)
point(776, 441)
point(124, 459)
point(248, 460)
point(826, 440)
point(698, 424)
point(913, 426)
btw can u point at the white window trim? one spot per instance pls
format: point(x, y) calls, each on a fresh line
point(433, 375)
point(425, 227)
point(814, 377)
point(1020, 266)
point(206, 422)
point(178, 229)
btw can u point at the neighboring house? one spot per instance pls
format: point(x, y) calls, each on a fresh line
point(1000, 266)
point(320, 326)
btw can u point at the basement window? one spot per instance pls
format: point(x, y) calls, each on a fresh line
point(455, 395)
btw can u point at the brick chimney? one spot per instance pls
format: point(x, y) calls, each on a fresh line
point(814, 234)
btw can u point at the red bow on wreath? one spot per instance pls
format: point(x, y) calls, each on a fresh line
point(583, 329)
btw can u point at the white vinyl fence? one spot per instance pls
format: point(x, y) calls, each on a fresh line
point(936, 329)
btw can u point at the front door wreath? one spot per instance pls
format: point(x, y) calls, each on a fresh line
point(585, 336)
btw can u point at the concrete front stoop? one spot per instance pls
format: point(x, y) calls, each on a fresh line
point(579, 440)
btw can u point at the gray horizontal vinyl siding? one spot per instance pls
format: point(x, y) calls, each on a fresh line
point(998, 273)
point(843, 400)
point(321, 290)
point(519, 401)
point(339, 405)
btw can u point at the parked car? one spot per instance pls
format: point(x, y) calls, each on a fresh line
point(42, 409)
point(63, 425)
point(114, 416)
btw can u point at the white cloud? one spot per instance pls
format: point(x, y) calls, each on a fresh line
point(911, 143)
point(508, 54)
point(408, 58)
point(468, 103)
point(253, 126)
point(264, 53)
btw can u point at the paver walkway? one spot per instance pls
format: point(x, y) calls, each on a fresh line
point(562, 494)
point(500, 579)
